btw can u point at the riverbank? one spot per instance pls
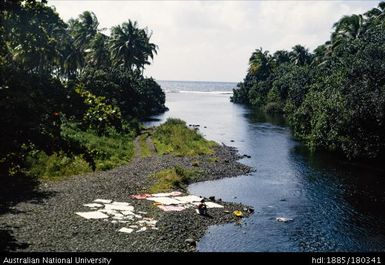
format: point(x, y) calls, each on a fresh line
point(52, 225)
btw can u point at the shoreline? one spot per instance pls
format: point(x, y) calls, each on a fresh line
point(50, 224)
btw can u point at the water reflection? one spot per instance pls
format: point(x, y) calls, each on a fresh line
point(336, 205)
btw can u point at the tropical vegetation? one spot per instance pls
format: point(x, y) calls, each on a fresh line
point(175, 138)
point(169, 179)
point(333, 97)
point(71, 93)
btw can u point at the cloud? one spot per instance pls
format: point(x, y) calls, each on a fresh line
point(212, 40)
point(308, 23)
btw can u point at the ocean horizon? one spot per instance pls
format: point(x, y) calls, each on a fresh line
point(212, 87)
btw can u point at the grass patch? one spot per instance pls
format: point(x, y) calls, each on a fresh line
point(55, 166)
point(144, 150)
point(213, 159)
point(107, 151)
point(172, 178)
point(174, 137)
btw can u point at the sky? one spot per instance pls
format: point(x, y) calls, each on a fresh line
point(213, 40)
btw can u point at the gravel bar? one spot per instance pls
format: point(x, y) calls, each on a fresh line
point(50, 224)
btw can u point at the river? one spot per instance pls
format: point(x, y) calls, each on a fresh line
point(334, 204)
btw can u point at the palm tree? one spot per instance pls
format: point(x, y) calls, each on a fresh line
point(259, 62)
point(322, 53)
point(281, 57)
point(376, 15)
point(130, 46)
point(72, 59)
point(99, 54)
point(35, 38)
point(348, 28)
point(83, 29)
point(300, 55)
point(376, 12)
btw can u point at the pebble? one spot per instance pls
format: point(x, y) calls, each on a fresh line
point(44, 229)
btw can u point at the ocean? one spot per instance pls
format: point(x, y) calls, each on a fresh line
point(197, 87)
point(333, 205)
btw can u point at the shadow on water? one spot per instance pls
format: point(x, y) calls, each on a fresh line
point(258, 116)
point(13, 190)
point(335, 204)
point(343, 202)
point(340, 201)
point(361, 183)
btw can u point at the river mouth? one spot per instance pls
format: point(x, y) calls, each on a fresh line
point(334, 205)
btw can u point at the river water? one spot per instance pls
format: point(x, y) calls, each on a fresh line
point(334, 204)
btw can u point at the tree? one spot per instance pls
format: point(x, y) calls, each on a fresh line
point(73, 59)
point(259, 63)
point(300, 55)
point(99, 54)
point(281, 57)
point(334, 99)
point(33, 35)
point(83, 29)
point(82, 33)
point(130, 46)
point(378, 12)
point(42, 62)
point(348, 28)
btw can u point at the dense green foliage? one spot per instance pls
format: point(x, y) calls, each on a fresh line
point(107, 151)
point(53, 74)
point(334, 98)
point(174, 137)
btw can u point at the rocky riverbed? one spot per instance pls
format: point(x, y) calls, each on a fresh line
point(50, 224)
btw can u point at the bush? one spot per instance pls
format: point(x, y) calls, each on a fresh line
point(99, 115)
point(108, 151)
point(174, 137)
point(55, 166)
point(32, 108)
point(172, 178)
point(133, 94)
